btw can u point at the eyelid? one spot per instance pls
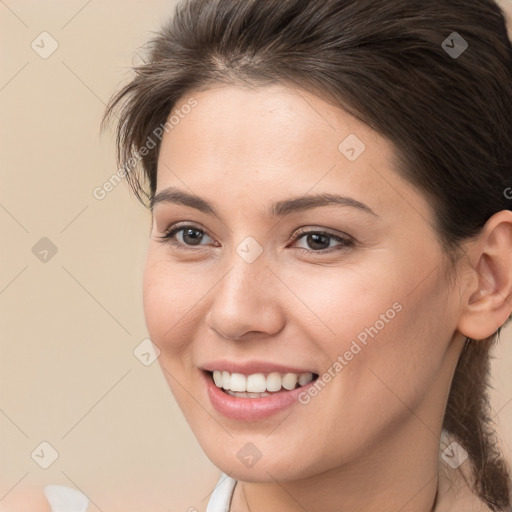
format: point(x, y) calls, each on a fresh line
point(325, 231)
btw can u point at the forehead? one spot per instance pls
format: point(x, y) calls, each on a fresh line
point(264, 122)
point(276, 139)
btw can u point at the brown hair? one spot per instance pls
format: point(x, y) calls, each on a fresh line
point(449, 117)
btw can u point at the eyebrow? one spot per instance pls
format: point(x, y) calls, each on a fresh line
point(277, 209)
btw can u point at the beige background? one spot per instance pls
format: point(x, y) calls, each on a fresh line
point(68, 374)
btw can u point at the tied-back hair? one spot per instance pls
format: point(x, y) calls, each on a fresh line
point(449, 118)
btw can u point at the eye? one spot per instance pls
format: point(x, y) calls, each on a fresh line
point(187, 237)
point(319, 241)
point(190, 236)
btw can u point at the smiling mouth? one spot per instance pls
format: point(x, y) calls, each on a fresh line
point(259, 385)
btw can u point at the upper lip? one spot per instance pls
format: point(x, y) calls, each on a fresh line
point(250, 367)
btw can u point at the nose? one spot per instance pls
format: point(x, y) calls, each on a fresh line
point(247, 302)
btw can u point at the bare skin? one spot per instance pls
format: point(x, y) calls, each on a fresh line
point(369, 440)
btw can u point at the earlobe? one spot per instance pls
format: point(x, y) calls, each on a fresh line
point(488, 302)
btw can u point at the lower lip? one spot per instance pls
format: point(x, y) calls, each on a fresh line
point(250, 409)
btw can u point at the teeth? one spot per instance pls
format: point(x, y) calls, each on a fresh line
point(218, 379)
point(238, 382)
point(226, 379)
point(247, 395)
point(258, 384)
point(289, 381)
point(274, 381)
point(304, 378)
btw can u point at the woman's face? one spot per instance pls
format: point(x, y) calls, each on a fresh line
point(361, 297)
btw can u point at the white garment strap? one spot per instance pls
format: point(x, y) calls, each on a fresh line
point(221, 497)
point(65, 499)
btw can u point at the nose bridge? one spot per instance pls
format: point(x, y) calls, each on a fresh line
point(246, 298)
point(249, 272)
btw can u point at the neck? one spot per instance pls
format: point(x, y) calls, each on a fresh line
point(401, 474)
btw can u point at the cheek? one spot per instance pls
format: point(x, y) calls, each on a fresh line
point(169, 297)
point(377, 330)
point(170, 301)
point(396, 346)
point(336, 305)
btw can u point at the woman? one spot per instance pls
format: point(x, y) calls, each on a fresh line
point(330, 258)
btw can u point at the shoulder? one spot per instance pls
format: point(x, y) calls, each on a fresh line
point(53, 498)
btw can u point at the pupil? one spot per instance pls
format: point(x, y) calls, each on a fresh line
point(313, 239)
point(195, 240)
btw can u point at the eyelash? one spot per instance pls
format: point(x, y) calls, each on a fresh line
point(347, 243)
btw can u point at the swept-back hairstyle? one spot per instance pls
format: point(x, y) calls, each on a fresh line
point(400, 66)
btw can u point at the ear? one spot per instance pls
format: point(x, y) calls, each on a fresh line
point(487, 296)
